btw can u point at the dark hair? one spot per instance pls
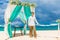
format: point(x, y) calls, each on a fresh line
point(32, 12)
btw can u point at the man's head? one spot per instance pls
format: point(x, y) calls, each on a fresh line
point(32, 13)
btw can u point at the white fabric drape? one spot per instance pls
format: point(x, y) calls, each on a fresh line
point(8, 12)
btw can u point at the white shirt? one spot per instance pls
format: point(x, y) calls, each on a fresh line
point(31, 21)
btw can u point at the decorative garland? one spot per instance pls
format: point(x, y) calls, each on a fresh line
point(21, 3)
point(58, 21)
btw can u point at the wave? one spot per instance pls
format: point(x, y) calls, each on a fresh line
point(39, 25)
point(1, 25)
point(47, 25)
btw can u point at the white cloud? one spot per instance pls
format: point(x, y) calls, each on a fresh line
point(49, 1)
point(16, 22)
point(42, 16)
point(1, 17)
point(56, 12)
point(2, 11)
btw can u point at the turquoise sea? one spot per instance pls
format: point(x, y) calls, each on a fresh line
point(37, 28)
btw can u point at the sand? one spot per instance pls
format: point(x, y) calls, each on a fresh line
point(41, 35)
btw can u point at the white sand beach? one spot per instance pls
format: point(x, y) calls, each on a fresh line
point(41, 35)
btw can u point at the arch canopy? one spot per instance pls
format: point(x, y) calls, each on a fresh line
point(14, 13)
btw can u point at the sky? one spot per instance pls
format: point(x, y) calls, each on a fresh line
point(47, 11)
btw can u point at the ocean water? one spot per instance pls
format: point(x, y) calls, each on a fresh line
point(37, 28)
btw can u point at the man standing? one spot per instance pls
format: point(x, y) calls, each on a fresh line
point(31, 23)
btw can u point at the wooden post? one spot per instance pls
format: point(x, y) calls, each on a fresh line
point(58, 27)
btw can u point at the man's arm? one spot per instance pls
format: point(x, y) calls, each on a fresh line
point(36, 21)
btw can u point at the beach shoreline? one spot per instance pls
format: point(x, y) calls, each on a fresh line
point(41, 35)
